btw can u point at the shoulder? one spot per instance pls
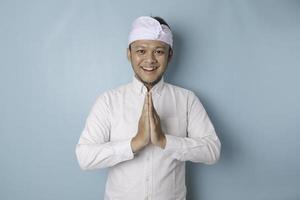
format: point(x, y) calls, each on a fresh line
point(179, 91)
point(183, 95)
point(111, 94)
point(117, 91)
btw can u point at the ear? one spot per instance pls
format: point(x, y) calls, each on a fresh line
point(128, 54)
point(170, 55)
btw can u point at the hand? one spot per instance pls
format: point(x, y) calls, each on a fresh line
point(142, 137)
point(157, 136)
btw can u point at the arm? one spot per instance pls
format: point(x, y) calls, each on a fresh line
point(94, 149)
point(202, 143)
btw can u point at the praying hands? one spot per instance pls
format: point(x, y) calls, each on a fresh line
point(149, 128)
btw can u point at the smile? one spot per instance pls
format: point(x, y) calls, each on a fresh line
point(149, 69)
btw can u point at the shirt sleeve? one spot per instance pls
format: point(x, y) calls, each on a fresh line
point(202, 143)
point(94, 149)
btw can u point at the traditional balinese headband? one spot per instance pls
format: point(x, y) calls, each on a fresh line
point(148, 28)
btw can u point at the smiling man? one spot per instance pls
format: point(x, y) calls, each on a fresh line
point(145, 131)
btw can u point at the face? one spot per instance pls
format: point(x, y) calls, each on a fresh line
point(149, 60)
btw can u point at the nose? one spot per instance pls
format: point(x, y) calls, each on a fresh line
point(151, 58)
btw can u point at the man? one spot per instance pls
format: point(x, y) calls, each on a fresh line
point(145, 131)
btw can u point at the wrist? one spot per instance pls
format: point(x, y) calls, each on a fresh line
point(137, 144)
point(162, 142)
point(134, 145)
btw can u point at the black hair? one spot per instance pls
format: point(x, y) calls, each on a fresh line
point(161, 21)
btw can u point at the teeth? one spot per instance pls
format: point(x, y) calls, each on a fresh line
point(149, 69)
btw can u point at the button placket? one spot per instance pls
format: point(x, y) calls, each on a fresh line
point(148, 175)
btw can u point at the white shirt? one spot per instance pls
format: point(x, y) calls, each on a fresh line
point(153, 173)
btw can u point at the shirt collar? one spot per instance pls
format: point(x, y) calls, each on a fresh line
point(140, 88)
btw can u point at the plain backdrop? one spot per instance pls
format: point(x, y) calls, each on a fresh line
point(240, 57)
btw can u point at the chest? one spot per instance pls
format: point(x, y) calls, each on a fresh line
point(127, 112)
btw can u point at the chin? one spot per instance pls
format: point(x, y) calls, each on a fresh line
point(149, 81)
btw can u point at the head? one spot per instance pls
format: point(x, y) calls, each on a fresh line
point(150, 49)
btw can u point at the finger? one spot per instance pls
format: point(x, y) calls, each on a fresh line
point(150, 105)
point(145, 106)
point(154, 111)
point(156, 116)
point(151, 117)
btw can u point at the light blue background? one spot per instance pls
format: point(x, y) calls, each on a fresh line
point(240, 57)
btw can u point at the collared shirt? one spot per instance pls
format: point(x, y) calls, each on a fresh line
point(152, 173)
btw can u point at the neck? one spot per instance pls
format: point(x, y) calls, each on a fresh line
point(149, 85)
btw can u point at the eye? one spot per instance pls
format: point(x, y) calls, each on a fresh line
point(160, 52)
point(140, 51)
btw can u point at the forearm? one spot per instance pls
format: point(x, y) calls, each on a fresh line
point(202, 150)
point(94, 156)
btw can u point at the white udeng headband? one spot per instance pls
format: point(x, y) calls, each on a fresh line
point(148, 28)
